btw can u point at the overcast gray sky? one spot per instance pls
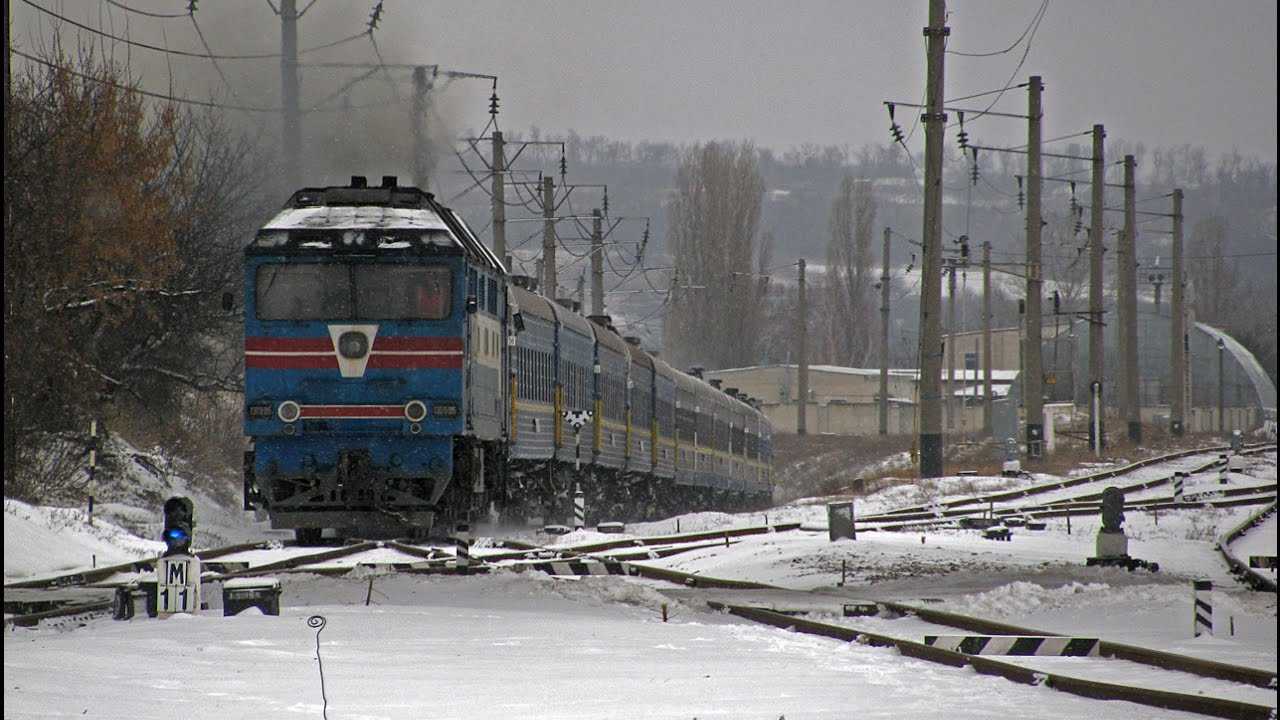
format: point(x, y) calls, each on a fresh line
point(1163, 72)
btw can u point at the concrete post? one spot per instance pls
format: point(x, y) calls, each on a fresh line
point(935, 121)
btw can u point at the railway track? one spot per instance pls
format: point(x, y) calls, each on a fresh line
point(953, 508)
point(915, 517)
point(1255, 577)
point(1034, 673)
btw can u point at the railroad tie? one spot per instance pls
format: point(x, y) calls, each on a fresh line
point(1015, 645)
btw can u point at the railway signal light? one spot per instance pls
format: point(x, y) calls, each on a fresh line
point(179, 520)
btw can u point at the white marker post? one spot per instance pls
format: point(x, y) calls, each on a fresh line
point(177, 585)
point(462, 544)
point(1203, 607)
point(577, 419)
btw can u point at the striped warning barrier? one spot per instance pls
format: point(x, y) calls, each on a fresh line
point(1015, 645)
point(1179, 482)
point(579, 567)
point(1203, 607)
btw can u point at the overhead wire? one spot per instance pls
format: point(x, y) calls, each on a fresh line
point(185, 53)
point(146, 13)
point(1011, 46)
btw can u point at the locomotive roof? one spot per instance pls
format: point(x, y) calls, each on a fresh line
point(404, 214)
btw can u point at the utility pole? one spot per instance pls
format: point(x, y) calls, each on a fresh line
point(580, 295)
point(935, 121)
point(549, 238)
point(803, 322)
point(1034, 367)
point(987, 426)
point(884, 338)
point(1177, 330)
point(499, 164)
point(1222, 392)
point(597, 264)
point(1097, 327)
point(421, 86)
point(1128, 302)
point(951, 346)
point(291, 128)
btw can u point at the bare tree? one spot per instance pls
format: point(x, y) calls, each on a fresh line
point(1213, 278)
point(123, 224)
point(716, 307)
point(849, 275)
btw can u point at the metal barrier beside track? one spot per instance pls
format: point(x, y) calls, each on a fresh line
point(1211, 706)
point(1242, 569)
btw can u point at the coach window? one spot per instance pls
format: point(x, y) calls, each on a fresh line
point(493, 296)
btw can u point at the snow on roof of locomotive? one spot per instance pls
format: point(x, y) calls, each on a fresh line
point(356, 208)
point(356, 217)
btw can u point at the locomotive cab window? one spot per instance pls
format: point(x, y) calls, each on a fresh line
point(345, 291)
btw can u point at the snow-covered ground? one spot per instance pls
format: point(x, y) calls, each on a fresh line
point(522, 644)
point(509, 646)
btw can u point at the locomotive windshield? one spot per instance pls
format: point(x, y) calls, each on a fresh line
point(352, 291)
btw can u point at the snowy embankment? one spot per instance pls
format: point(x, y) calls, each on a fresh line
point(44, 540)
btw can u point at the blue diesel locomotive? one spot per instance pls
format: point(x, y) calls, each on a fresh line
point(398, 378)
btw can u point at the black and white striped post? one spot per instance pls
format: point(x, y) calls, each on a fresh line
point(1179, 483)
point(1203, 607)
point(93, 461)
point(1223, 469)
point(462, 543)
point(579, 508)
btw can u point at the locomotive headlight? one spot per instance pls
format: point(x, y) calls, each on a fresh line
point(289, 411)
point(444, 409)
point(353, 345)
point(415, 411)
point(260, 411)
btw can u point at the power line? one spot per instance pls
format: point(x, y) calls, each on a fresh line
point(1035, 27)
point(146, 13)
point(175, 98)
point(1009, 49)
point(185, 53)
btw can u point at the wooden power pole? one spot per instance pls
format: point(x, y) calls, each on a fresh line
point(1178, 328)
point(803, 323)
point(291, 127)
point(987, 425)
point(421, 161)
point(1097, 326)
point(549, 289)
point(1128, 305)
point(884, 337)
point(1033, 368)
point(597, 264)
point(499, 164)
point(935, 121)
